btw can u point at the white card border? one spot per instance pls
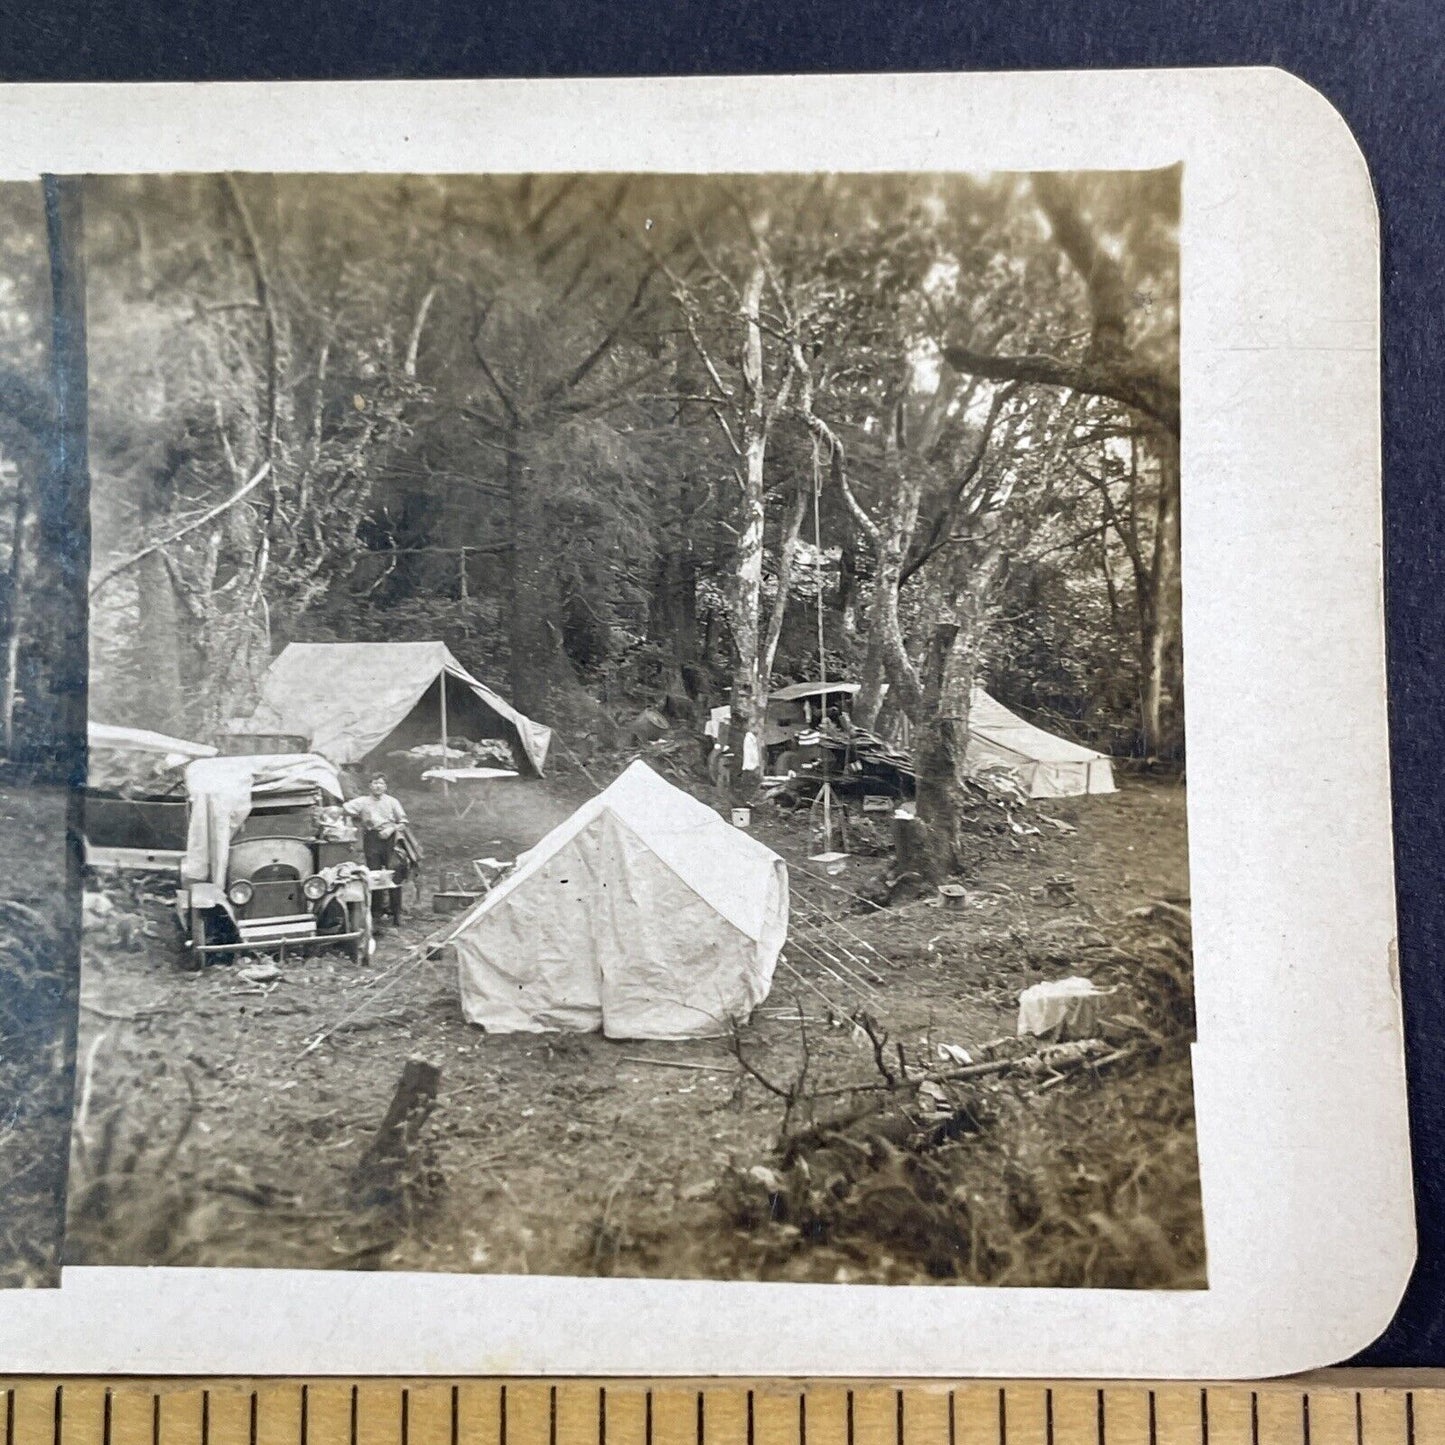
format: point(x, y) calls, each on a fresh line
point(1299, 1067)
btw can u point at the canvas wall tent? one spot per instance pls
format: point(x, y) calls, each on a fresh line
point(644, 915)
point(353, 699)
point(1043, 765)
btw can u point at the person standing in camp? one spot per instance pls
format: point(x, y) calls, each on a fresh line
point(382, 818)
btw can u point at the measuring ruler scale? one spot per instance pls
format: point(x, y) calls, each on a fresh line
point(1347, 1408)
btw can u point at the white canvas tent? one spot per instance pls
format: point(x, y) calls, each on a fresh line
point(350, 698)
point(1043, 765)
point(644, 914)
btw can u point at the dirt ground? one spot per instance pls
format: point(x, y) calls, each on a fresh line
point(220, 1121)
point(37, 1001)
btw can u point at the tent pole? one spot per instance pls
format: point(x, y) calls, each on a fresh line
point(446, 763)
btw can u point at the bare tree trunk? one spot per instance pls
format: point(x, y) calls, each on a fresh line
point(903, 680)
point(869, 698)
point(533, 632)
point(666, 616)
point(63, 512)
point(750, 691)
point(886, 658)
point(1160, 618)
point(787, 559)
point(941, 746)
point(157, 647)
point(14, 612)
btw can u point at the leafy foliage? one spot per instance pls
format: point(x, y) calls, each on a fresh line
point(509, 411)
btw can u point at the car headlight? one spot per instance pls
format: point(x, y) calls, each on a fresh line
point(240, 893)
point(314, 888)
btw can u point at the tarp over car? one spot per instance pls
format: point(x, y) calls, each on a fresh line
point(221, 790)
point(349, 698)
point(644, 915)
point(136, 761)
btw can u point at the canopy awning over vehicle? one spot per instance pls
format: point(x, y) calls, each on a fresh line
point(138, 762)
point(221, 792)
point(1043, 764)
point(348, 698)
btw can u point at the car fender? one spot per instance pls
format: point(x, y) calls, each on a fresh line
point(208, 895)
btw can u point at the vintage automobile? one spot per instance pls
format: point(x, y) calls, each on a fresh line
point(270, 862)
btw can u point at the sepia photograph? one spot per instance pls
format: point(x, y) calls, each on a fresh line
point(636, 727)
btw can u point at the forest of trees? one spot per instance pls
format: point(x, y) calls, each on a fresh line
point(626, 440)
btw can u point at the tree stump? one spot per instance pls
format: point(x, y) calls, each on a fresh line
point(387, 1167)
point(914, 866)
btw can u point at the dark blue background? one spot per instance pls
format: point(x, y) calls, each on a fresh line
point(1382, 64)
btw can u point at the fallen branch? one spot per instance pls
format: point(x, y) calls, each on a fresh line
point(126, 563)
point(677, 1064)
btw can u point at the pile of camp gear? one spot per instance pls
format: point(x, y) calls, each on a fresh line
point(855, 763)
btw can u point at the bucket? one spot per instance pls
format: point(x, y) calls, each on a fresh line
point(742, 817)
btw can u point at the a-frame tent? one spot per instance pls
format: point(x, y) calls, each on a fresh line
point(354, 699)
point(1041, 763)
point(644, 914)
